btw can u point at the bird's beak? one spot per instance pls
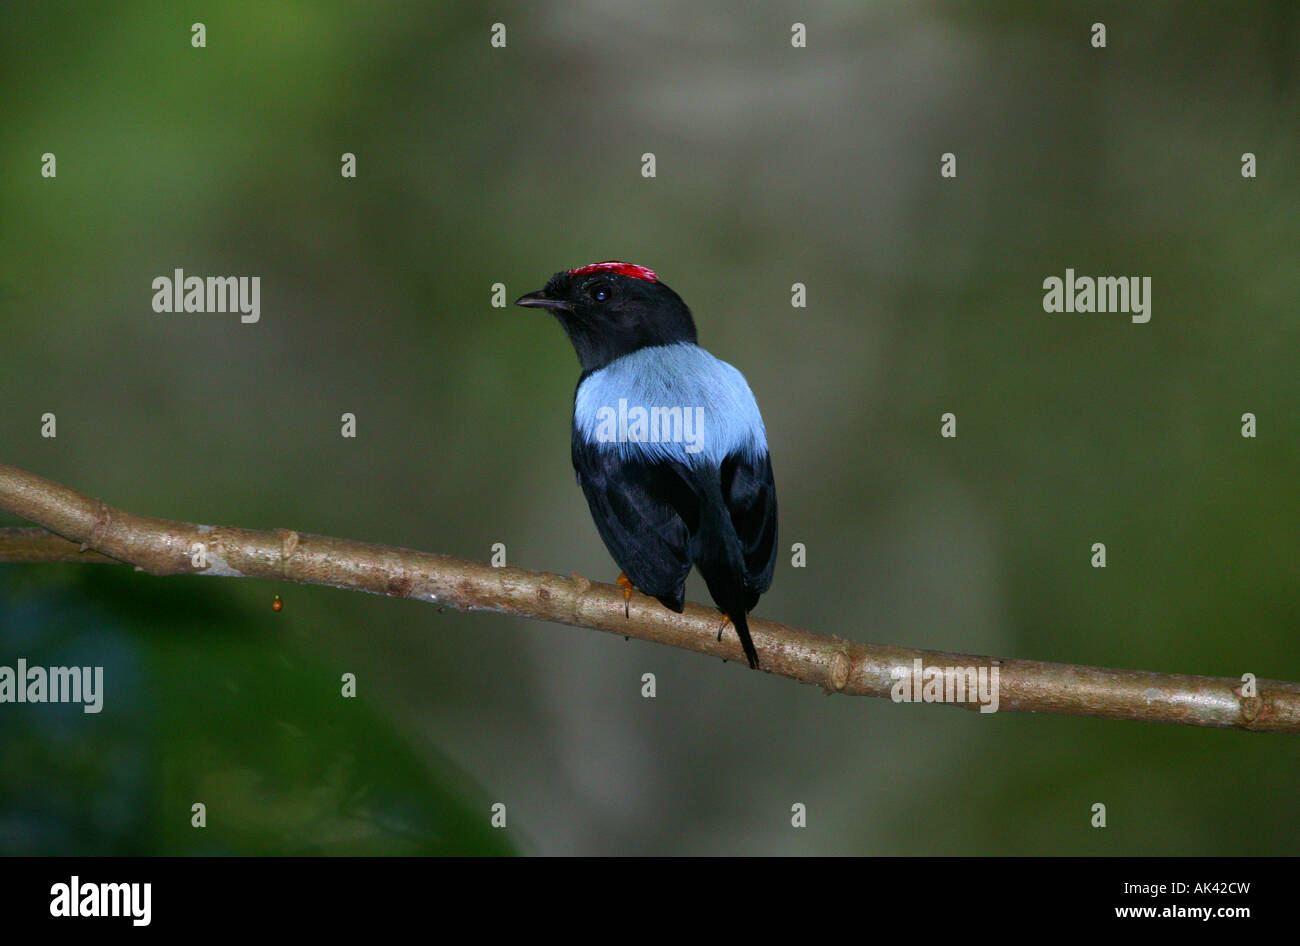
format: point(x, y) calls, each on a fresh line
point(540, 300)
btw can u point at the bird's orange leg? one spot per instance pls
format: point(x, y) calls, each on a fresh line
point(626, 584)
point(726, 619)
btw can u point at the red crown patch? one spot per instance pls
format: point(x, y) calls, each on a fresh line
point(615, 266)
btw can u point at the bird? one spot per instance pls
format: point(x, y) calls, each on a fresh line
point(668, 443)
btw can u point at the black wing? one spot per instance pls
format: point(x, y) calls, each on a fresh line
point(645, 513)
point(749, 490)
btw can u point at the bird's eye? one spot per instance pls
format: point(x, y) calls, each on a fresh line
point(601, 292)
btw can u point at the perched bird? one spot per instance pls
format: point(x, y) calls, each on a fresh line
point(668, 443)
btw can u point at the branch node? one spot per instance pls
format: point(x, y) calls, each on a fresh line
point(288, 545)
point(97, 530)
point(581, 587)
point(1250, 706)
point(839, 670)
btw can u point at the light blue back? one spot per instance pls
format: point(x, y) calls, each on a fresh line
point(665, 376)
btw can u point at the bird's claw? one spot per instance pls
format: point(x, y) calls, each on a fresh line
point(626, 584)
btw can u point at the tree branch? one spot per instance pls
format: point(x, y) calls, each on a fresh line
point(94, 532)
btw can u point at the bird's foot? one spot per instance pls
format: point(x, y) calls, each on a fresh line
point(626, 584)
point(726, 619)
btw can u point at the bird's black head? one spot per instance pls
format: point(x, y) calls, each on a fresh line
point(612, 309)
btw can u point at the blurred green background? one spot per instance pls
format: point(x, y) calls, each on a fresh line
point(776, 165)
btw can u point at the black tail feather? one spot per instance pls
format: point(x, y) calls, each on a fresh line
point(746, 642)
point(716, 552)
